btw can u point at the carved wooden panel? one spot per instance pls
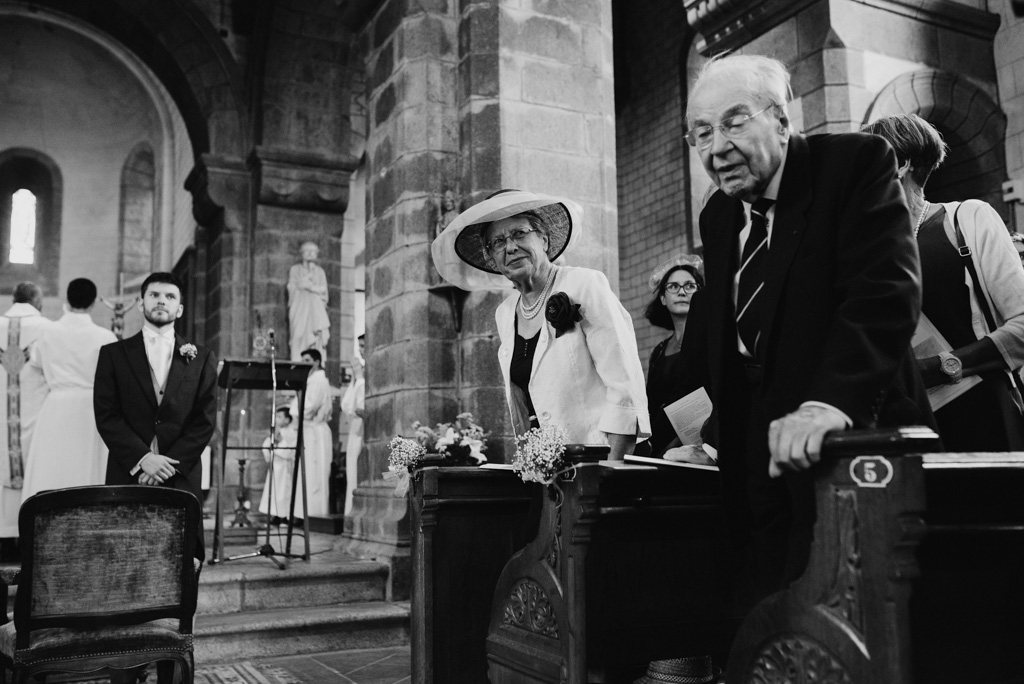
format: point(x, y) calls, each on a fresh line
point(528, 607)
point(844, 597)
point(797, 660)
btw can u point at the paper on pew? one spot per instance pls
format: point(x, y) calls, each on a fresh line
point(645, 460)
point(928, 341)
point(688, 414)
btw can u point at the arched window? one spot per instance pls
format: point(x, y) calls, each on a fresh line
point(23, 227)
point(138, 199)
point(30, 213)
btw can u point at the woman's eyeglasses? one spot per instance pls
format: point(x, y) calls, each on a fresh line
point(517, 236)
point(687, 288)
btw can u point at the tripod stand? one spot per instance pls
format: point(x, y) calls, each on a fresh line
point(263, 375)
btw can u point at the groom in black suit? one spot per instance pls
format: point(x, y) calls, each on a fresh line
point(155, 398)
point(813, 291)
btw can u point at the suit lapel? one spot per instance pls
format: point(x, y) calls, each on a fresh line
point(788, 228)
point(177, 369)
point(724, 224)
point(135, 350)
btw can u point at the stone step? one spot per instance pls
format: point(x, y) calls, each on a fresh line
point(233, 637)
point(256, 584)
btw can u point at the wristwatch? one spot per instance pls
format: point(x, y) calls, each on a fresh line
point(951, 366)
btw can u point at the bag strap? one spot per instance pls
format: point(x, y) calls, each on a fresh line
point(965, 253)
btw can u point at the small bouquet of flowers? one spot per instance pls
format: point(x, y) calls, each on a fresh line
point(540, 455)
point(405, 456)
point(457, 443)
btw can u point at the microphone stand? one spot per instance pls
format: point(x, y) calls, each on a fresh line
point(267, 549)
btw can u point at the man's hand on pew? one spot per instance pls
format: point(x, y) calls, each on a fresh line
point(795, 440)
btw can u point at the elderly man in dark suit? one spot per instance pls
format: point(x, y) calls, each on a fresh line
point(155, 398)
point(813, 293)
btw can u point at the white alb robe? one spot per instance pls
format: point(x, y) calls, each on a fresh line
point(281, 468)
point(317, 441)
point(67, 450)
point(33, 391)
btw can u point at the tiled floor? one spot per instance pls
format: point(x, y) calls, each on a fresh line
point(377, 666)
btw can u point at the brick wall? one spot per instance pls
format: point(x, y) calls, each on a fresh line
point(650, 42)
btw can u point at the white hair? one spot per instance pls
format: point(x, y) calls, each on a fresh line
point(765, 79)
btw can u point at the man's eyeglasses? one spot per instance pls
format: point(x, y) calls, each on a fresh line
point(687, 288)
point(518, 236)
point(733, 127)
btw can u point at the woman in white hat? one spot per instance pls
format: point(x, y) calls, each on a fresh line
point(568, 352)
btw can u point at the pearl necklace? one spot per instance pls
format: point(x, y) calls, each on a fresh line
point(530, 312)
point(920, 219)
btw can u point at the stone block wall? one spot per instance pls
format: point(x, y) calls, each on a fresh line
point(1009, 61)
point(650, 42)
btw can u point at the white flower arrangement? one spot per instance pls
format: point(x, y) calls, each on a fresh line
point(540, 455)
point(462, 440)
point(405, 456)
point(458, 443)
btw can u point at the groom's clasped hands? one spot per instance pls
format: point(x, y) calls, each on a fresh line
point(156, 469)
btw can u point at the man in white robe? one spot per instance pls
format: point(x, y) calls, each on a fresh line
point(308, 323)
point(281, 460)
point(21, 397)
point(352, 404)
point(67, 450)
point(317, 442)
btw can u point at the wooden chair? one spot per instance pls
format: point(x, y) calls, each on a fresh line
point(108, 582)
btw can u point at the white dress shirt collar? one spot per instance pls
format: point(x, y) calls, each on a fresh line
point(150, 330)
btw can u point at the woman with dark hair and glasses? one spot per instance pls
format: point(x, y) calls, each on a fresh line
point(674, 283)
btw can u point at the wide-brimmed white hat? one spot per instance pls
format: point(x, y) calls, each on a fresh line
point(459, 253)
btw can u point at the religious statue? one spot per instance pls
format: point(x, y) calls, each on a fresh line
point(120, 307)
point(447, 211)
point(309, 326)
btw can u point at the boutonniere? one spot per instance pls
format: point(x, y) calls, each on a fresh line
point(561, 313)
point(188, 351)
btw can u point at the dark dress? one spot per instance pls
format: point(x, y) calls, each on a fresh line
point(523, 351)
point(986, 417)
point(666, 383)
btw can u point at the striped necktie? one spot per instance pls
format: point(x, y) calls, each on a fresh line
point(751, 281)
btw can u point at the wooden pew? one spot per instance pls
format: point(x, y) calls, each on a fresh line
point(915, 575)
point(466, 524)
point(625, 568)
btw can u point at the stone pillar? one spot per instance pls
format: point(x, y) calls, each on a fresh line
point(496, 95)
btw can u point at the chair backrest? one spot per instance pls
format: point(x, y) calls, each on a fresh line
point(106, 555)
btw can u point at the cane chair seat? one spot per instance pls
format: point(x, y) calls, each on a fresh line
point(108, 581)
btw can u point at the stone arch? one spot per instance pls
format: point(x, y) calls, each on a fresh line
point(969, 120)
point(182, 48)
point(37, 172)
point(137, 214)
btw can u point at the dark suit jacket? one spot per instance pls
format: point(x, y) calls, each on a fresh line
point(128, 416)
point(842, 290)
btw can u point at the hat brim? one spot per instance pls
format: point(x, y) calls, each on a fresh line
point(459, 254)
point(711, 679)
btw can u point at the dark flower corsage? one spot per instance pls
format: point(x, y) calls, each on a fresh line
point(188, 351)
point(561, 313)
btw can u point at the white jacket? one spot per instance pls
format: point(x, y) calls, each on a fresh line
point(999, 272)
point(589, 381)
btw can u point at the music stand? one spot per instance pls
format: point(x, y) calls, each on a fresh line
point(258, 374)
